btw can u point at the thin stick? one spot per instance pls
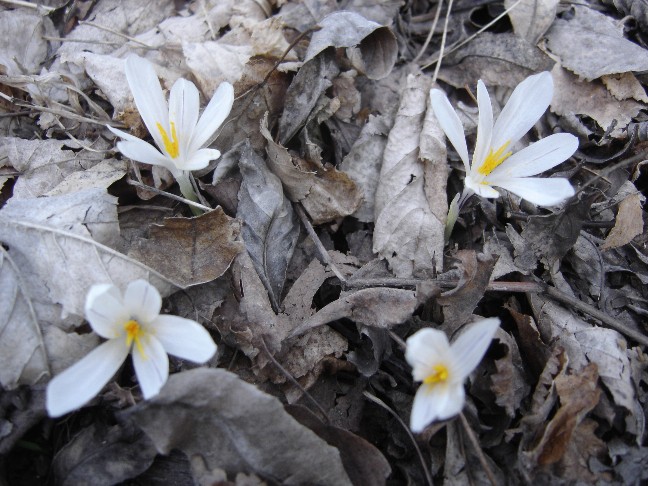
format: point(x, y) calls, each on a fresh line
point(480, 453)
point(379, 402)
point(326, 258)
point(437, 14)
point(35, 6)
point(443, 41)
point(295, 382)
point(116, 32)
point(169, 195)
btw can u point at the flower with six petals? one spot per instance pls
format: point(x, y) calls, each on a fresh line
point(495, 161)
point(442, 368)
point(131, 323)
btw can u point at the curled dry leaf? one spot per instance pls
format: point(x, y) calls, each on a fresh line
point(628, 224)
point(325, 192)
point(203, 247)
point(234, 426)
point(270, 227)
point(408, 231)
point(592, 44)
point(371, 48)
point(508, 383)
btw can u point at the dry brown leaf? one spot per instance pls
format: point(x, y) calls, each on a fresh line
point(575, 97)
point(202, 248)
point(532, 18)
point(509, 384)
point(625, 86)
point(628, 224)
point(591, 44)
point(21, 36)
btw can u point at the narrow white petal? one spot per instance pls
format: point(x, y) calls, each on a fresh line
point(144, 152)
point(201, 159)
point(151, 368)
point(537, 190)
point(450, 124)
point(143, 301)
point(469, 348)
point(105, 310)
point(529, 101)
point(537, 157)
point(184, 104)
point(122, 134)
point(184, 338)
point(484, 126)
point(424, 349)
point(147, 92)
point(480, 188)
point(436, 402)
point(217, 110)
point(78, 384)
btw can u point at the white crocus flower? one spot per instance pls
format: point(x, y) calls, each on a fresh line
point(176, 128)
point(132, 324)
point(495, 162)
point(443, 368)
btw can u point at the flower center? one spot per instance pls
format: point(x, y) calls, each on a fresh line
point(134, 333)
point(439, 375)
point(494, 159)
point(171, 145)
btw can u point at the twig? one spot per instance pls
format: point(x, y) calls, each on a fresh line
point(326, 258)
point(437, 14)
point(295, 382)
point(169, 195)
point(113, 31)
point(443, 41)
point(21, 3)
point(398, 339)
point(519, 216)
point(480, 453)
point(379, 402)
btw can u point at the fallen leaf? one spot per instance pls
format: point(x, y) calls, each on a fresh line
point(625, 86)
point(532, 18)
point(234, 426)
point(21, 35)
point(270, 226)
point(371, 48)
point(99, 176)
point(592, 44)
point(508, 383)
point(628, 224)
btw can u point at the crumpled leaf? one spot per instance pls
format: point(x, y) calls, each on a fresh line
point(21, 36)
point(629, 222)
point(378, 307)
point(232, 425)
point(409, 231)
point(508, 383)
point(100, 176)
point(532, 18)
point(202, 248)
point(573, 96)
point(592, 44)
point(325, 192)
point(270, 226)
point(376, 51)
point(103, 455)
point(625, 86)
point(496, 59)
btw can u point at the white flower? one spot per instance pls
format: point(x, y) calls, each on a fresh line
point(176, 128)
point(132, 324)
point(494, 162)
point(443, 368)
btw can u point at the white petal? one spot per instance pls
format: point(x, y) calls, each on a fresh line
point(450, 124)
point(201, 159)
point(541, 191)
point(152, 368)
point(147, 92)
point(484, 126)
point(144, 152)
point(479, 188)
point(436, 402)
point(143, 301)
point(184, 104)
point(529, 101)
point(425, 348)
point(105, 310)
point(184, 338)
point(537, 157)
point(217, 110)
point(78, 384)
point(122, 134)
point(469, 348)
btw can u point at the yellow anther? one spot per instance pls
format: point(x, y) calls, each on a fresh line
point(134, 334)
point(171, 145)
point(494, 159)
point(439, 375)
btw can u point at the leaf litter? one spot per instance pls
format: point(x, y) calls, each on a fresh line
point(326, 248)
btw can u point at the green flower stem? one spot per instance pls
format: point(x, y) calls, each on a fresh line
point(187, 190)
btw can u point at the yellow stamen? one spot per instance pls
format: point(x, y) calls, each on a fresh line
point(439, 375)
point(134, 333)
point(171, 146)
point(494, 159)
